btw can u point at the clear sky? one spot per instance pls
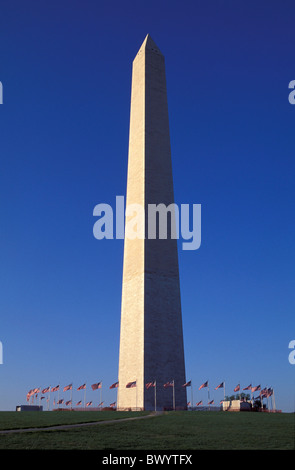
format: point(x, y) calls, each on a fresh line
point(66, 73)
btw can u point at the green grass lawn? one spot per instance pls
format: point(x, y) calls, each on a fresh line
point(170, 431)
point(30, 419)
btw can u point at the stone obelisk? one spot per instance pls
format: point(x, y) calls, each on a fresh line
point(151, 337)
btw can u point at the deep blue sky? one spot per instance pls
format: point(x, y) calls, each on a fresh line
point(66, 73)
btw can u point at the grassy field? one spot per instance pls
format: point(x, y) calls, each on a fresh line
point(29, 419)
point(169, 431)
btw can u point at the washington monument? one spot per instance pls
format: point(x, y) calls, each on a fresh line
point(151, 337)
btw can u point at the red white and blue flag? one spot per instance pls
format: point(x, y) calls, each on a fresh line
point(188, 384)
point(169, 384)
point(248, 388)
point(68, 387)
point(131, 384)
point(96, 386)
point(220, 386)
point(150, 384)
point(205, 384)
point(115, 385)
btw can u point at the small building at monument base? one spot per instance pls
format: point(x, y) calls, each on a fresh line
point(236, 405)
point(29, 408)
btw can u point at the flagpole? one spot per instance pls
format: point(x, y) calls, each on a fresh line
point(269, 400)
point(155, 395)
point(173, 396)
point(192, 395)
point(72, 396)
point(274, 402)
point(85, 396)
point(101, 396)
point(208, 396)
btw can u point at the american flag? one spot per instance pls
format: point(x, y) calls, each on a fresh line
point(45, 390)
point(150, 384)
point(169, 384)
point(82, 387)
point(205, 384)
point(113, 404)
point(131, 384)
point(89, 403)
point(199, 403)
point(68, 387)
point(248, 388)
point(269, 392)
point(79, 403)
point(96, 386)
point(211, 402)
point(69, 402)
point(115, 385)
point(55, 389)
point(254, 389)
point(219, 386)
point(187, 384)
point(29, 394)
point(237, 388)
point(100, 404)
point(60, 402)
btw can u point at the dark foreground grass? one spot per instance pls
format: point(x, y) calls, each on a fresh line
point(31, 419)
point(170, 431)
